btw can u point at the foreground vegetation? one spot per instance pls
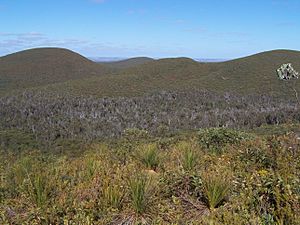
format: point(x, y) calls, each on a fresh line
point(214, 176)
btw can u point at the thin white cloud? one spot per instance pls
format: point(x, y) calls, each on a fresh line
point(180, 21)
point(98, 1)
point(196, 30)
point(286, 24)
point(136, 12)
point(13, 42)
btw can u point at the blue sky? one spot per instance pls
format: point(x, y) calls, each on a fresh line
point(155, 28)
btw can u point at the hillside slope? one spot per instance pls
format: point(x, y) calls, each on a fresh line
point(44, 66)
point(79, 76)
point(127, 63)
point(256, 73)
point(252, 74)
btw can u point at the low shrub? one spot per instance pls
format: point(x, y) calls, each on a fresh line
point(215, 139)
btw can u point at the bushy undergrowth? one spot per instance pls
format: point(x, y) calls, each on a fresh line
point(215, 139)
point(252, 181)
point(50, 118)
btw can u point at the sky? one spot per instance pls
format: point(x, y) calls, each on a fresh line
point(220, 29)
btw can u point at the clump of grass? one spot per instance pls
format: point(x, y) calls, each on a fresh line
point(113, 196)
point(189, 160)
point(189, 156)
point(38, 189)
point(20, 171)
point(90, 167)
point(216, 190)
point(139, 193)
point(149, 156)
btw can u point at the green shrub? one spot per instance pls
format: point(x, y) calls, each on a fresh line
point(259, 153)
point(257, 156)
point(166, 143)
point(179, 183)
point(215, 139)
point(16, 140)
point(272, 197)
point(131, 138)
point(135, 134)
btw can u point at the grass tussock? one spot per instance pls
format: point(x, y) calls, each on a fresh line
point(189, 158)
point(139, 193)
point(149, 156)
point(216, 189)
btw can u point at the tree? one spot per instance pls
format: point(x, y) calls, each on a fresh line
point(286, 72)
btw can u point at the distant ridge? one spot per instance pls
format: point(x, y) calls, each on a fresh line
point(64, 71)
point(43, 66)
point(106, 59)
point(210, 60)
point(255, 74)
point(126, 63)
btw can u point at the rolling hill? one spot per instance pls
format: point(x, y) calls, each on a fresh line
point(252, 74)
point(42, 66)
point(256, 73)
point(127, 63)
point(248, 75)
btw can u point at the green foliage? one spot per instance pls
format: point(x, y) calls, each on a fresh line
point(239, 186)
point(216, 190)
point(20, 172)
point(139, 193)
point(149, 156)
point(166, 143)
point(16, 140)
point(112, 196)
point(215, 139)
point(273, 197)
point(135, 135)
point(189, 158)
point(255, 153)
point(91, 166)
point(38, 189)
